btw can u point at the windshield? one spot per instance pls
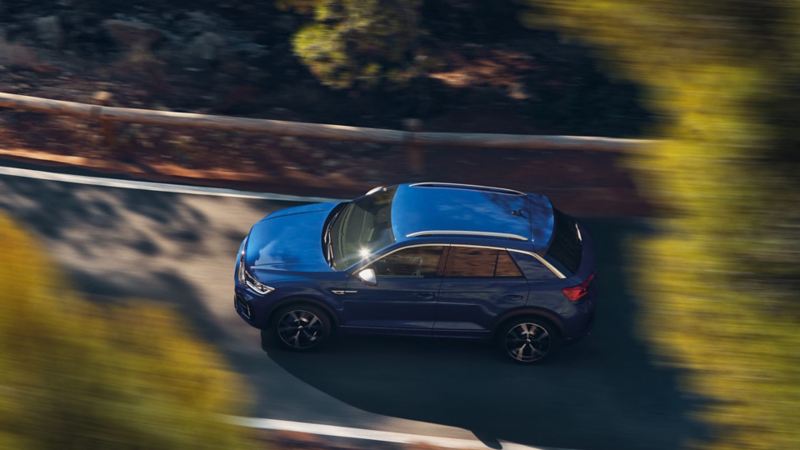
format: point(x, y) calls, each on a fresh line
point(359, 228)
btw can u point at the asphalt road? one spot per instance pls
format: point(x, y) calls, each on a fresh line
point(603, 393)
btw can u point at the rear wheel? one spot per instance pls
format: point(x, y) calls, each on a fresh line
point(300, 327)
point(528, 340)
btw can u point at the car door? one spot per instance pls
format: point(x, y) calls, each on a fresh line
point(403, 299)
point(478, 284)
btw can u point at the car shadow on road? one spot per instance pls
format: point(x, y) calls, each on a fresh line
point(602, 393)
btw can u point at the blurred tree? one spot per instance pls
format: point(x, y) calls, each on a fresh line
point(74, 375)
point(359, 42)
point(719, 282)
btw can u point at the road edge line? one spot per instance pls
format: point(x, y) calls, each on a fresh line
point(155, 186)
point(367, 434)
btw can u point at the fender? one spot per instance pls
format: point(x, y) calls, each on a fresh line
point(304, 299)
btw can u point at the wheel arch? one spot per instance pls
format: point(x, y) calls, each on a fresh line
point(303, 299)
point(541, 313)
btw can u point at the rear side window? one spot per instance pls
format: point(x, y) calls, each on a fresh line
point(532, 268)
point(470, 262)
point(565, 248)
point(417, 262)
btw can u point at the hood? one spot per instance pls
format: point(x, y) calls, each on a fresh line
point(290, 240)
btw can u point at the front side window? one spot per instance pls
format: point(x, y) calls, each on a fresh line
point(359, 228)
point(471, 262)
point(416, 262)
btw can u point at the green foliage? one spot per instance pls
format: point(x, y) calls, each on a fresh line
point(74, 375)
point(719, 284)
point(359, 42)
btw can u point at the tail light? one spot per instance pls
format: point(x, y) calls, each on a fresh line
point(576, 293)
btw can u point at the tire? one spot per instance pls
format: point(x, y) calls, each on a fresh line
point(528, 340)
point(299, 327)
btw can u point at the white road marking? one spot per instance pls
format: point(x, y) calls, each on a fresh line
point(156, 187)
point(370, 435)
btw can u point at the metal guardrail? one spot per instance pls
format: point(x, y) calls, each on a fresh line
point(413, 139)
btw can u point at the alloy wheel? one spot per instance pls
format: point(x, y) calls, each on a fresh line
point(300, 329)
point(528, 342)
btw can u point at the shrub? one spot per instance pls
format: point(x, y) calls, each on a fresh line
point(75, 375)
point(719, 283)
point(357, 42)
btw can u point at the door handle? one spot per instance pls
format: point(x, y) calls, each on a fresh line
point(425, 295)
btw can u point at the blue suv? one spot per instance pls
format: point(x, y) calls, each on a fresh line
point(421, 259)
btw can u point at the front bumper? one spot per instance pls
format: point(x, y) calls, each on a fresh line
point(243, 307)
point(250, 308)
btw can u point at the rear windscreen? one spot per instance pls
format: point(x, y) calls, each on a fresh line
point(565, 248)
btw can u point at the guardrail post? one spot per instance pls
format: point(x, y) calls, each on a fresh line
point(108, 129)
point(415, 152)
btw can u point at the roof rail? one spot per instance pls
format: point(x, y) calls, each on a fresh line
point(467, 233)
point(476, 187)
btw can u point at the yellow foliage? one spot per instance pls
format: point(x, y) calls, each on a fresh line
point(75, 375)
point(357, 41)
point(719, 283)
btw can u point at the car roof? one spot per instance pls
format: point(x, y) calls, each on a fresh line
point(450, 212)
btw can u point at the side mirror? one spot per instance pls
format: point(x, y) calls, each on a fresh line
point(368, 276)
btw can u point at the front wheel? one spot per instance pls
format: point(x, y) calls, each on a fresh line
point(528, 340)
point(301, 327)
